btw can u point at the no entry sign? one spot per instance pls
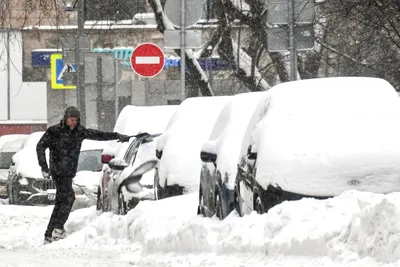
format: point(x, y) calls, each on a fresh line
point(147, 60)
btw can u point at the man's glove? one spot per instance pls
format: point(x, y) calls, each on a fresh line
point(123, 138)
point(46, 174)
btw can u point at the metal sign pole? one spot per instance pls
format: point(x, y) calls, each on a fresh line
point(292, 42)
point(80, 92)
point(183, 48)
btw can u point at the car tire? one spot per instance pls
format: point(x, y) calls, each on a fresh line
point(122, 210)
point(157, 187)
point(200, 207)
point(258, 206)
point(9, 193)
point(99, 203)
point(237, 201)
point(218, 205)
point(106, 203)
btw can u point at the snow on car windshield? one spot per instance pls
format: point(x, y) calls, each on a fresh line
point(90, 160)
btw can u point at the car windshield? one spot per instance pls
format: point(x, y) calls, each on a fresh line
point(90, 160)
point(5, 159)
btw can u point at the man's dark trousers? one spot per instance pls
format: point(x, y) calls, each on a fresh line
point(65, 198)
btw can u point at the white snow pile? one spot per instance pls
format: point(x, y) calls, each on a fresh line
point(135, 119)
point(228, 132)
point(181, 142)
point(325, 136)
point(353, 229)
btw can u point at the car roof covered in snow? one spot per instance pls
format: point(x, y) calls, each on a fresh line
point(11, 137)
point(227, 133)
point(135, 119)
point(323, 136)
point(181, 142)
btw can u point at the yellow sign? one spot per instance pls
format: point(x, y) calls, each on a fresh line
point(57, 70)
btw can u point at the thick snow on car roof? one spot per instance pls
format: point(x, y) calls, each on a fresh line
point(26, 162)
point(228, 131)
point(134, 119)
point(181, 143)
point(11, 137)
point(324, 136)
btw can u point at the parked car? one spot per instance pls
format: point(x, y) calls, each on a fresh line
point(9, 145)
point(140, 150)
point(178, 148)
point(318, 138)
point(25, 181)
point(220, 154)
point(131, 120)
point(27, 186)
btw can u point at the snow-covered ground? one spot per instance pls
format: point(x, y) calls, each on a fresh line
point(354, 229)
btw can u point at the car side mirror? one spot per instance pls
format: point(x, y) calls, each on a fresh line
point(105, 159)
point(159, 154)
point(117, 164)
point(208, 157)
point(132, 182)
point(251, 155)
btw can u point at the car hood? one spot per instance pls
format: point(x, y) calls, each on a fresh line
point(87, 178)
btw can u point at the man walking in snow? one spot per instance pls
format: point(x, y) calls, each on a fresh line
point(64, 141)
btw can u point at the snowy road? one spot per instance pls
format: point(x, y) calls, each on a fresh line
point(355, 229)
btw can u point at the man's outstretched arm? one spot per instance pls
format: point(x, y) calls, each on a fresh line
point(104, 136)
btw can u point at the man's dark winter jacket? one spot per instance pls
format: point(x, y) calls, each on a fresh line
point(65, 145)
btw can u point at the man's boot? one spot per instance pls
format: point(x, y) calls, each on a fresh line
point(59, 233)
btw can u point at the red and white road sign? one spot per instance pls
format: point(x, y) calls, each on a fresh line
point(147, 60)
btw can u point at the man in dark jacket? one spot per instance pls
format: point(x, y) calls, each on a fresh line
point(64, 141)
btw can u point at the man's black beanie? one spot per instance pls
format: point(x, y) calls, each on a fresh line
point(72, 112)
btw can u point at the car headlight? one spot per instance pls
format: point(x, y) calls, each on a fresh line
point(23, 181)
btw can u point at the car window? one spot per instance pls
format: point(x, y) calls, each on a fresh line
point(90, 160)
point(5, 159)
point(132, 150)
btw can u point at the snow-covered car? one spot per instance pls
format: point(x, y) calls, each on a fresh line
point(25, 181)
point(220, 155)
point(131, 120)
point(318, 138)
point(141, 149)
point(9, 145)
point(26, 184)
point(178, 148)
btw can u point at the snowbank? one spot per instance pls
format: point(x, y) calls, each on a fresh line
point(325, 136)
point(181, 142)
point(228, 132)
point(353, 229)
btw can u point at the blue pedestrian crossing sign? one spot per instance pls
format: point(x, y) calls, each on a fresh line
point(58, 68)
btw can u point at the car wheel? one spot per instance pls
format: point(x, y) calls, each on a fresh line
point(157, 187)
point(237, 201)
point(122, 210)
point(99, 203)
point(218, 205)
point(14, 194)
point(200, 208)
point(9, 193)
point(106, 203)
point(259, 207)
